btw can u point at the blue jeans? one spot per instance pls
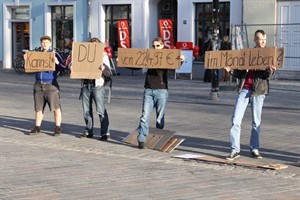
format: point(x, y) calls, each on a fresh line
point(243, 99)
point(96, 94)
point(153, 98)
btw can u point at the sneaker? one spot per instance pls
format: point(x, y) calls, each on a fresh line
point(104, 137)
point(142, 145)
point(35, 131)
point(57, 131)
point(86, 134)
point(255, 154)
point(233, 155)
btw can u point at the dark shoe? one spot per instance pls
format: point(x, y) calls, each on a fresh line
point(255, 154)
point(232, 156)
point(57, 131)
point(142, 145)
point(35, 131)
point(86, 134)
point(104, 137)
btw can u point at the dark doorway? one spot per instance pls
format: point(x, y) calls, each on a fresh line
point(20, 41)
point(167, 9)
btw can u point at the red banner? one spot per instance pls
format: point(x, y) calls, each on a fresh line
point(123, 34)
point(184, 45)
point(166, 32)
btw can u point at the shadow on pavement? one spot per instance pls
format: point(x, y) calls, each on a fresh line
point(210, 146)
point(199, 145)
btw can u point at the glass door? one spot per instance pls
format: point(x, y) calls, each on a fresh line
point(20, 33)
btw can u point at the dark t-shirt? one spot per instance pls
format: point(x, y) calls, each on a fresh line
point(156, 79)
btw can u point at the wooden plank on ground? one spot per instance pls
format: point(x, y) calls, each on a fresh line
point(212, 159)
point(177, 142)
point(167, 135)
point(157, 139)
point(132, 138)
point(172, 144)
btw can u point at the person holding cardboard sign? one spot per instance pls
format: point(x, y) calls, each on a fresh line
point(253, 87)
point(46, 90)
point(93, 90)
point(225, 45)
point(155, 96)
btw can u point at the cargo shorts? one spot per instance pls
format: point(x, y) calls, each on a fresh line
point(46, 93)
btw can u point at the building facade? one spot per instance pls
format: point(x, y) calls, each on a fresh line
point(25, 21)
point(192, 19)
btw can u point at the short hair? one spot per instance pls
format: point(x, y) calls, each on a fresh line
point(158, 39)
point(95, 40)
point(259, 31)
point(45, 37)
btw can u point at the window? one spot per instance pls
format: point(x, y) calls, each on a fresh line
point(20, 13)
point(113, 13)
point(62, 28)
point(203, 20)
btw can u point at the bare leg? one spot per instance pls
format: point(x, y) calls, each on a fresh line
point(39, 118)
point(57, 116)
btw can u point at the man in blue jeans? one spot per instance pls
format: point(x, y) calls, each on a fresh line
point(93, 90)
point(253, 87)
point(155, 96)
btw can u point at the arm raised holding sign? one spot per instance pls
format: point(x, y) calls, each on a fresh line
point(253, 88)
point(155, 96)
point(46, 88)
point(93, 90)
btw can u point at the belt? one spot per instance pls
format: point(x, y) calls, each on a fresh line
point(44, 83)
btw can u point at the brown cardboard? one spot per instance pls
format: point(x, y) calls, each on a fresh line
point(149, 58)
point(157, 139)
point(87, 58)
point(39, 61)
point(238, 162)
point(252, 58)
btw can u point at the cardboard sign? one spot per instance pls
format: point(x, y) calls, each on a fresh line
point(39, 61)
point(87, 58)
point(149, 58)
point(158, 139)
point(254, 58)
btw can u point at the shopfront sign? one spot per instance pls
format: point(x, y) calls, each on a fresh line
point(123, 34)
point(166, 32)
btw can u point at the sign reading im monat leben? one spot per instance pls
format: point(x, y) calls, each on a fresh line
point(252, 58)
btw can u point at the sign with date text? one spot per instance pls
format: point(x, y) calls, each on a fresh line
point(252, 58)
point(149, 58)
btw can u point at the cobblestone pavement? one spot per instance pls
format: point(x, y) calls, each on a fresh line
point(44, 167)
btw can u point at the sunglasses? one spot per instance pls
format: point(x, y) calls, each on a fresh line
point(158, 45)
